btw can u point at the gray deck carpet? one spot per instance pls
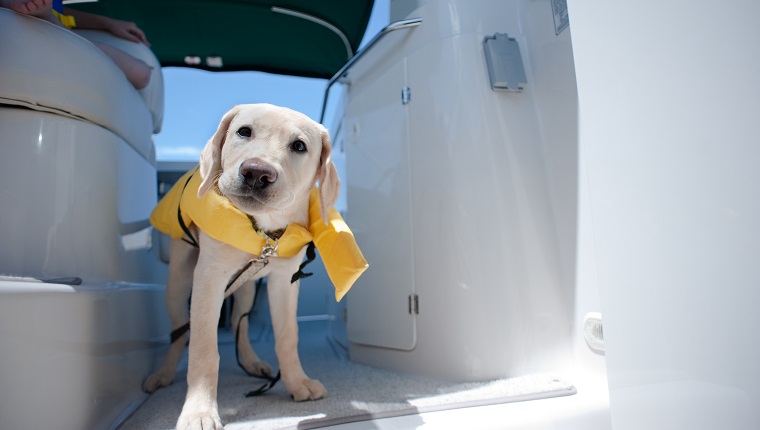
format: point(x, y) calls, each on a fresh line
point(355, 392)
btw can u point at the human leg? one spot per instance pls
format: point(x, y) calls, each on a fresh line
point(38, 8)
point(136, 71)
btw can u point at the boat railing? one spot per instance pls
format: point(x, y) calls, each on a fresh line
point(398, 25)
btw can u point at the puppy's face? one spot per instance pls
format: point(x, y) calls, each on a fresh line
point(264, 157)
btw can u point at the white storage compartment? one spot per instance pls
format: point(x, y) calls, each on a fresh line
point(462, 197)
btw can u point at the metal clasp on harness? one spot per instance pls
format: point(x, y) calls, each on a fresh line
point(269, 250)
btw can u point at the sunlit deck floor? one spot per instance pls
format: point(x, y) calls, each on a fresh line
point(359, 396)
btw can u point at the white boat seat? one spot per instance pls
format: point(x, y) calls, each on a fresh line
point(153, 94)
point(48, 68)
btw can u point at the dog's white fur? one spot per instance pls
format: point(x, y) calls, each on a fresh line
point(207, 270)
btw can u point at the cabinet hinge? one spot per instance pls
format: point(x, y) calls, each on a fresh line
point(406, 95)
point(414, 304)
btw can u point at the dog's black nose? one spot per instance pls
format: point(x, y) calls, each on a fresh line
point(257, 173)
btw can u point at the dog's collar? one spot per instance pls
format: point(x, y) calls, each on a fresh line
point(272, 235)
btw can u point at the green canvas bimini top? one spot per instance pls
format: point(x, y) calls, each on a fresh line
point(311, 38)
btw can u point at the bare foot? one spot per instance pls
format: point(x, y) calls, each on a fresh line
point(38, 8)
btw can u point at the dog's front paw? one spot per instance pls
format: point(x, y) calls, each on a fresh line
point(306, 389)
point(162, 378)
point(208, 420)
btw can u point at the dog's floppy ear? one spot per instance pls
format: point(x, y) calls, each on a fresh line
point(211, 157)
point(327, 175)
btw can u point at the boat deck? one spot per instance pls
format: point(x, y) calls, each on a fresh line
point(359, 396)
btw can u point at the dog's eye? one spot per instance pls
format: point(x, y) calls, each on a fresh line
point(298, 146)
point(244, 132)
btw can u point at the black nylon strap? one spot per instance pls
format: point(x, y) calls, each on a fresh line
point(237, 338)
point(310, 256)
point(271, 380)
point(178, 332)
point(189, 239)
point(266, 387)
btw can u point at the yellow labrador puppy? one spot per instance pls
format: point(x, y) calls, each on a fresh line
point(265, 160)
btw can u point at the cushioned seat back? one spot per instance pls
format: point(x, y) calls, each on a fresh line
point(52, 69)
point(153, 94)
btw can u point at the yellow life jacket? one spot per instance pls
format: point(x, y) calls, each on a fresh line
point(220, 219)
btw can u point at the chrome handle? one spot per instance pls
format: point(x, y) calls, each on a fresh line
point(398, 25)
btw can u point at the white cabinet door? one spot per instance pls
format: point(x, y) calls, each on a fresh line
point(379, 209)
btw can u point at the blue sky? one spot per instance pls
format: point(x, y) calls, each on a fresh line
point(195, 100)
